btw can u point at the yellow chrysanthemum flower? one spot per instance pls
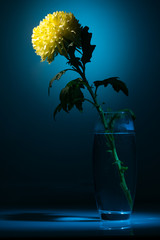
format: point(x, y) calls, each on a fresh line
point(54, 34)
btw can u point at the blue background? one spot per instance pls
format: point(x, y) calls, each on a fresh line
point(46, 162)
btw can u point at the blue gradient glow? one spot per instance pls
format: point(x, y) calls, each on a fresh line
point(43, 160)
point(113, 31)
point(113, 28)
point(30, 130)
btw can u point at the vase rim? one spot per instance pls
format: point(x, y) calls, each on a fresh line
point(124, 122)
point(120, 111)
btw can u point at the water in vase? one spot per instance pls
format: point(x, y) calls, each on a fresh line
point(111, 200)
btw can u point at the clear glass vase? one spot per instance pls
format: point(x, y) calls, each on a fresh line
point(114, 166)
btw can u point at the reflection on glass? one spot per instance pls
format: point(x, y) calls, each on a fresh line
point(116, 227)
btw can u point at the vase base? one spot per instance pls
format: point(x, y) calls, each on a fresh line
point(114, 215)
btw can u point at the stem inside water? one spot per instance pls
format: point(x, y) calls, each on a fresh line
point(110, 142)
point(121, 171)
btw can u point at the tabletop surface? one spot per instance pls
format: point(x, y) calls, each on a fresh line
point(69, 222)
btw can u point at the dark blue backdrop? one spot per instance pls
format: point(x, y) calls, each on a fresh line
point(46, 162)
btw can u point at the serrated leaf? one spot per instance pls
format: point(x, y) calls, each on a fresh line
point(64, 98)
point(116, 84)
point(73, 60)
point(78, 82)
point(87, 48)
point(56, 77)
point(71, 96)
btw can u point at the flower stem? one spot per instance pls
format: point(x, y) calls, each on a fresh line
point(111, 141)
point(121, 170)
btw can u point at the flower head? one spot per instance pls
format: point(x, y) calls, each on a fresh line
point(54, 34)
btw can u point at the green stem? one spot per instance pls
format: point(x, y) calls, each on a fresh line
point(110, 139)
point(121, 170)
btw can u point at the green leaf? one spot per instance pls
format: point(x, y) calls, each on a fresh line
point(56, 77)
point(116, 84)
point(64, 98)
point(78, 82)
point(112, 120)
point(57, 109)
point(73, 60)
point(71, 96)
point(123, 169)
point(87, 48)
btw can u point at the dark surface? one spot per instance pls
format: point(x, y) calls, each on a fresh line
point(77, 223)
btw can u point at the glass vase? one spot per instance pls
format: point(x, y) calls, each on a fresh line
point(114, 165)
